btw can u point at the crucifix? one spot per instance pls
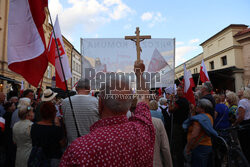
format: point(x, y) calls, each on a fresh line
point(137, 39)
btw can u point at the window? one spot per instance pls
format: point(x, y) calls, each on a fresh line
point(224, 60)
point(211, 65)
point(74, 65)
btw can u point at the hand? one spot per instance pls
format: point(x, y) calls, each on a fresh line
point(171, 97)
point(188, 151)
point(57, 121)
point(192, 107)
point(139, 67)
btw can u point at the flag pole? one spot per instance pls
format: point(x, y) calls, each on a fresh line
point(171, 114)
point(198, 82)
point(65, 81)
point(39, 91)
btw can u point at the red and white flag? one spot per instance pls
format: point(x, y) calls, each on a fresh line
point(159, 91)
point(26, 43)
point(157, 62)
point(2, 124)
point(22, 89)
point(54, 58)
point(203, 73)
point(188, 85)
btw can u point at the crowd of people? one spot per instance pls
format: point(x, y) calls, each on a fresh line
point(166, 130)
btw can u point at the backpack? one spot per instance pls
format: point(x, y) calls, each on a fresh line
point(165, 114)
point(167, 120)
point(38, 158)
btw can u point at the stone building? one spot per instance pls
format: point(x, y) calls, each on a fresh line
point(9, 78)
point(76, 67)
point(227, 58)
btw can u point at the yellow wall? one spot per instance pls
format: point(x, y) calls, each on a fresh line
point(3, 29)
point(222, 44)
point(76, 66)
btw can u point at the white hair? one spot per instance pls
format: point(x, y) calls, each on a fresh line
point(246, 94)
point(163, 101)
point(117, 104)
point(206, 105)
point(23, 101)
point(232, 97)
point(23, 111)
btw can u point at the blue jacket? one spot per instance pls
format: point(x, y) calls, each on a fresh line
point(205, 124)
point(157, 114)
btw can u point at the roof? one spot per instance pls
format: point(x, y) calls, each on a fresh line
point(242, 32)
point(77, 51)
point(230, 26)
point(189, 60)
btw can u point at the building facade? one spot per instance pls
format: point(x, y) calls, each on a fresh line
point(227, 58)
point(76, 67)
point(9, 78)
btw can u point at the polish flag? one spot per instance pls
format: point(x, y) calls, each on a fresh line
point(157, 62)
point(26, 49)
point(203, 73)
point(188, 85)
point(159, 91)
point(2, 124)
point(22, 89)
point(54, 58)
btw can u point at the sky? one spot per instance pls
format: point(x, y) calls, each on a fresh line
point(189, 22)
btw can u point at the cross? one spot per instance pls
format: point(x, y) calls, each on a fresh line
point(137, 39)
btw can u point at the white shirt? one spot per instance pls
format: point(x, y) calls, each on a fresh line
point(245, 104)
point(163, 106)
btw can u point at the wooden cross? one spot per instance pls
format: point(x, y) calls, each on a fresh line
point(137, 39)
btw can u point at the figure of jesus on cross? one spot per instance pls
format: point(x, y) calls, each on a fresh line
point(137, 39)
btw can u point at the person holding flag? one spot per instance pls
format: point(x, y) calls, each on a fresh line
point(207, 87)
point(179, 107)
point(206, 90)
point(188, 85)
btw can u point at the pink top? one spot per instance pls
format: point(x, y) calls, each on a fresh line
point(115, 141)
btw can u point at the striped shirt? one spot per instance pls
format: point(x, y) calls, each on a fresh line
point(86, 113)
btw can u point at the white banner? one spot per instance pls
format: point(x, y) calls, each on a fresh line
point(119, 55)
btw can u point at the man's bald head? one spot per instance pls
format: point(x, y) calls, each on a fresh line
point(116, 100)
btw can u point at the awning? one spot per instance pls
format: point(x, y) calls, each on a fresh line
point(225, 73)
point(9, 80)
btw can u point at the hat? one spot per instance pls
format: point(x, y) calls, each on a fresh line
point(48, 95)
